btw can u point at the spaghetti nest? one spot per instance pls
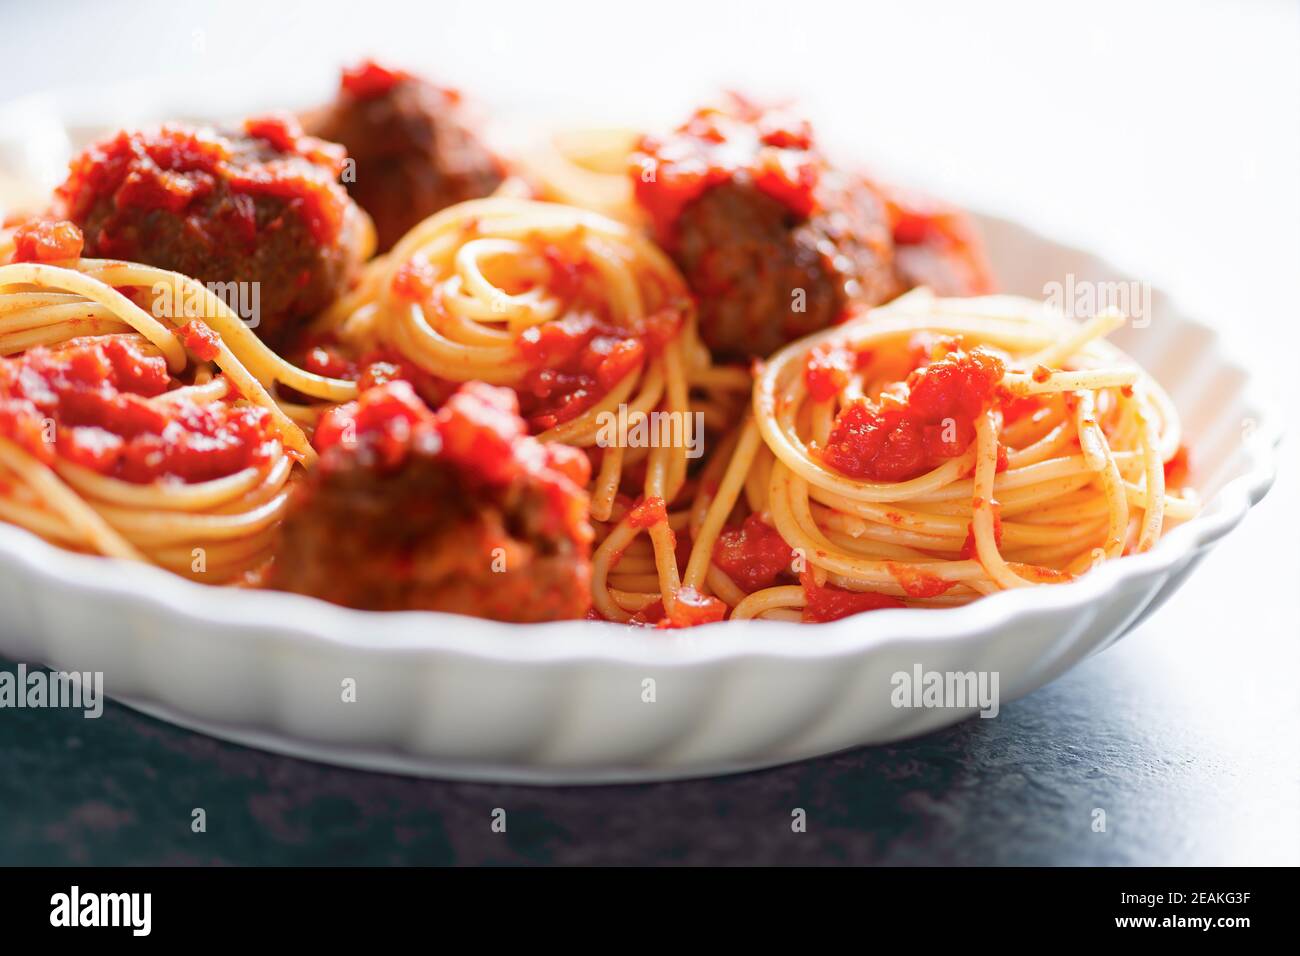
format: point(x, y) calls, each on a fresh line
point(934, 450)
point(591, 325)
point(138, 417)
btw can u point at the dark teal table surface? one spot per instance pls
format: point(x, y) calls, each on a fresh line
point(1186, 742)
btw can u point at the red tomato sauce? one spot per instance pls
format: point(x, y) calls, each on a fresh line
point(1178, 468)
point(324, 356)
point(200, 340)
point(94, 394)
point(968, 548)
point(915, 582)
point(689, 610)
point(573, 361)
point(829, 603)
point(478, 430)
point(47, 240)
point(945, 233)
point(576, 360)
point(919, 424)
point(174, 168)
point(1016, 407)
point(828, 369)
point(647, 513)
point(368, 80)
point(753, 555)
point(743, 142)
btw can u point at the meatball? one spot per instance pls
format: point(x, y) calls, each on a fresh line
point(456, 510)
point(935, 245)
point(774, 241)
point(260, 206)
point(415, 153)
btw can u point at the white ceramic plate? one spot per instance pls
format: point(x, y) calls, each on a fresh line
point(450, 696)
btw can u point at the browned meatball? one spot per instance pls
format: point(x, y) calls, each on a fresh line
point(774, 241)
point(935, 244)
point(261, 207)
point(457, 510)
point(414, 152)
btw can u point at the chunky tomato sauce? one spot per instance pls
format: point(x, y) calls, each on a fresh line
point(968, 547)
point(573, 361)
point(478, 430)
point(691, 609)
point(744, 143)
point(753, 555)
point(647, 513)
point(917, 425)
point(828, 370)
point(178, 169)
point(368, 80)
point(915, 582)
point(828, 603)
point(576, 360)
point(324, 356)
point(940, 238)
point(1016, 407)
point(47, 240)
point(200, 340)
point(88, 403)
point(1178, 468)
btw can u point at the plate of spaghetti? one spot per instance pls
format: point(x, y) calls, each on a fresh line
point(367, 433)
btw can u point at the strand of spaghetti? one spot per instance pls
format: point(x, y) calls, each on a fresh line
point(80, 516)
point(982, 505)
point(632, 601)
point(1096, 451)
point(1023, 432)
point(884, 523)
point(661, 534)
point(1176, 508)
point(601, 559)
point(1171, 427)
point(709, 481)
point(820, 553)
point(1018, 477)
point(146, 528)
point(723, 377)
point(57, 334)
point(1021, 384)
point(607, 482)
point(721, 586)
point(724, 501)
point(783, 596)
point(56, 277)
point(50, 526)
point(1153, 514)
point(678, 399)
point(176, 497)
point(248, 384)
point(1098, 327)
point(584, 429)
point(253, 354)
point(428, 348)
point(36, 301)
point(201, 393)
point(55, 314)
